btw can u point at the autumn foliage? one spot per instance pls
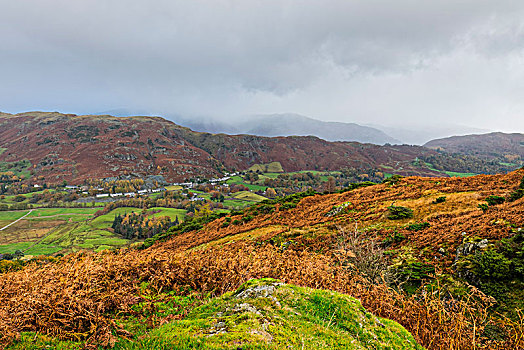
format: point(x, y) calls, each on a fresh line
point(82, 295)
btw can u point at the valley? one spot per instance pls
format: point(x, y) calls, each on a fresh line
point(140, 231)
point(262, 175)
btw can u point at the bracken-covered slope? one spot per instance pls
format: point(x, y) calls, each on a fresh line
point(310, 242)
point(494, 146)
point(74, 148)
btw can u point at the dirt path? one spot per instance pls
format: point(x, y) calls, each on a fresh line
point(14, 222)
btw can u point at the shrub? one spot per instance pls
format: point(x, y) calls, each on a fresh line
point(439, 200)
point(418, 226)
point(494, 200)
point(266, 208)
point(492, 265)
point(417, 270)
point(287, 206)
point(247, 218)
point(398, 213)
point(392, 238)
point(19, 198)
point(518, 194)
point(393, 180)
point(11, 265)
point(483, 207)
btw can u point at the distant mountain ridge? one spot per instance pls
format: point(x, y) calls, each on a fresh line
point(294, 125)
point(419, 134)
point(75, 148)
point(498, 146)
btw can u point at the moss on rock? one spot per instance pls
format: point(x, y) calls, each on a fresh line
point(266, 314)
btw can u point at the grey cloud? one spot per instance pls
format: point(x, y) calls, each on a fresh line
point(361, 60)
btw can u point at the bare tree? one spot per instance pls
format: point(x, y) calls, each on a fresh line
point(330, 185)
point(364, 254)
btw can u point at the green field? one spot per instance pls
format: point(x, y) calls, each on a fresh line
point(82, 236)
point(239, 180)
point(171, 212)
point(508, 164)
point(236, 203)
point(455, 174)
point(269, 175)
point(10, 216)
point(106, 220)
point(52, 230)
point(75, 214)
point(248, 196)
point(29, 249)
point(273, 167)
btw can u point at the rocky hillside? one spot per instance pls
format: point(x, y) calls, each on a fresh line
point(73, 148)
point(498, 146)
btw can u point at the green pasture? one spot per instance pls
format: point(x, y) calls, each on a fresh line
point(456, 174)
point(248, 196)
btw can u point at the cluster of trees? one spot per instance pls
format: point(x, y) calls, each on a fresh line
point(47, 196)
point(464, 164)
point(167, 199)
point(217, 196)
point(9, 176)
point(285, 184)
point(222, 189)
point(10, 171)
point(251, 177)
point(115, 186)
point(141, 225)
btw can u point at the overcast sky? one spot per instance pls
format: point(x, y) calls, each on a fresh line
point(366, 61)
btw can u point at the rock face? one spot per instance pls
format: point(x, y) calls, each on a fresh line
point(271, 315)
point(467, 248)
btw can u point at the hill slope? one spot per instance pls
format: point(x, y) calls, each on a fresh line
point(497, 146)
point(73, 148)
point(336, 242)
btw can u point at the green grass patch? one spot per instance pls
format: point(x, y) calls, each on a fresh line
point(11, 248)
point(106, 220)
point(273, 167)
point(171, 212)
point(263, 314)
point(248, 196)
point(456, 174)
point(67, 214)
point(239, 180)
point(236, 203)
point(12, 215)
